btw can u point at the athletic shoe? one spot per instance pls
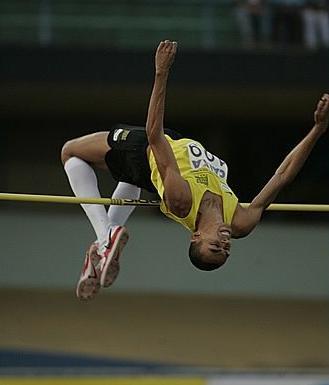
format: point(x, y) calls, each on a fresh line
point(89, 282)
point(118, 238)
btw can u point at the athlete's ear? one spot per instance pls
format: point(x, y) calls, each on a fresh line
point(195, 236)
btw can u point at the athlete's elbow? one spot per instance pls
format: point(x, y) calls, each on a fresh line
point(285, 177)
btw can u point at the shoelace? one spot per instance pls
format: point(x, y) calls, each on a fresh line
point(109, 243)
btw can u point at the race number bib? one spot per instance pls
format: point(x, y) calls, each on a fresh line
point(200, 157)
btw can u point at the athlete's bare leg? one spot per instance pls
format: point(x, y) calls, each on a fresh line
point(91, 148)
point(101, 266)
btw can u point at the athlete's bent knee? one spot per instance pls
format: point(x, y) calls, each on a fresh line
point(67, 151)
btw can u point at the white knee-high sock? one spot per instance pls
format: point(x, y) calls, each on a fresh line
point(118, 215)
point(83, 182)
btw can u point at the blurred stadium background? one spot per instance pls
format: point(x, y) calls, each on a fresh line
point(72, 67)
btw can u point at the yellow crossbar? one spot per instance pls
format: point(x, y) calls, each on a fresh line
point(76, 200)
point(141, 202)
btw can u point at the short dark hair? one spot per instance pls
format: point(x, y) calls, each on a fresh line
point(196, 259)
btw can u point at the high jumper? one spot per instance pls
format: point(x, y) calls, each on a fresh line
point(191, 182)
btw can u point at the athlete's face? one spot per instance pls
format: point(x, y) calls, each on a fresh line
point(215, 246)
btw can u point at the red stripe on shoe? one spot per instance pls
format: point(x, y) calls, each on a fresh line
point(113, 238)
point(85, 266)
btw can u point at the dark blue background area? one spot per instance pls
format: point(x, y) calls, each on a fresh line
point(32, 358)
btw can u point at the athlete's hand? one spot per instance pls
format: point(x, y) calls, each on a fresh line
point(165, 56)
point(321, 114)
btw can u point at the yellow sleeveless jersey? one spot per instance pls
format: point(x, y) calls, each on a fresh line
point(204, 172)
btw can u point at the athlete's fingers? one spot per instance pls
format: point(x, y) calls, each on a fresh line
point(174, 47)
point(323, 102)
point(160, 47)
point(167, 44)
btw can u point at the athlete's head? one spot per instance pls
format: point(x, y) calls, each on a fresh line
point(209, 251)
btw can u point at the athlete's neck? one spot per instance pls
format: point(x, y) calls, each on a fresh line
point(210, 212)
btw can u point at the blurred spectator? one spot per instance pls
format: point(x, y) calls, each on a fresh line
point(253, 22)
point(287, 25)
point(316, 23)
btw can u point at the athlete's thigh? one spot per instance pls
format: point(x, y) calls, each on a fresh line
point(91, 148)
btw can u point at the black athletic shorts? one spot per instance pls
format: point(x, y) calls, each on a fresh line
point(127, 159)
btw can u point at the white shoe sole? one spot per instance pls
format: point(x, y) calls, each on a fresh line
point(111, 267)
point(89, 285)
point(88, 288)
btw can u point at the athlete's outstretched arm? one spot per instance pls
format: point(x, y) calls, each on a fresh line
point(164, 57)
point(176, 189)
point(247, 219)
